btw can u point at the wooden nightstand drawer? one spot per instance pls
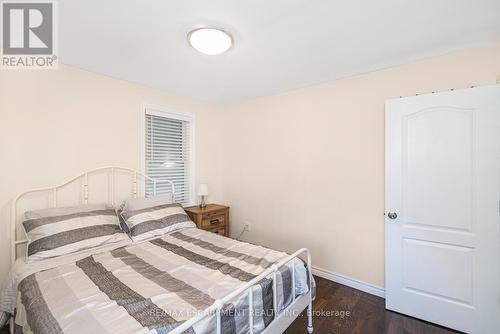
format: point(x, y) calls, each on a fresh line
point(213, 218)
point(221, 231)
point(211, 221)
point(209, 215)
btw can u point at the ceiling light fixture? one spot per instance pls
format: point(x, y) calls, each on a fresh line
point(210, 41)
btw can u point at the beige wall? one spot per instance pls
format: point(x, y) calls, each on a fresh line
point(306, 168)
point(55, 124)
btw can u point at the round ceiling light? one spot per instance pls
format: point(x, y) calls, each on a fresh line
point(210, 41)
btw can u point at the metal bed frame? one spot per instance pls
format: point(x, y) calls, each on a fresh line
point(282, 319)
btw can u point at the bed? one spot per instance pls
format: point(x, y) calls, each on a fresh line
point(185, 280)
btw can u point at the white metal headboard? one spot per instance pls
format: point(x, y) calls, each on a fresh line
point(137, 175)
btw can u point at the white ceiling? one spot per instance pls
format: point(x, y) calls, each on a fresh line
point(279, 44)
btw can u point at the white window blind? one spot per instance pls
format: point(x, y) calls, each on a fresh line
point(168, 155)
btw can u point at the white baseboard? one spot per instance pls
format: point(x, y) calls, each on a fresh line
point(351, 282)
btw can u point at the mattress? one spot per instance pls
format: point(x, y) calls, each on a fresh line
point(152, 287)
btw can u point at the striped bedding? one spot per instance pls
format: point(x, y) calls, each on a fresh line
point(154, 286)
point(152, 221)
point(62, 234)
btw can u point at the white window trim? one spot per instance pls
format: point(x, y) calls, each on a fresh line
point(169, 113)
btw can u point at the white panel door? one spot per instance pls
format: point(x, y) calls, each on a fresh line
point(442, 223)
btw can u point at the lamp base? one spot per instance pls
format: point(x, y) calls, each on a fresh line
point(202, 202)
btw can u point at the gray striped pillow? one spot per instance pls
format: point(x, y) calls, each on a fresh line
point(69, 233)
point(156, 221)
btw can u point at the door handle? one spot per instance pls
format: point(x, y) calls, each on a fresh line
point(392, 215)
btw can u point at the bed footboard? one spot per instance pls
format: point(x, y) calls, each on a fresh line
point(282, 319)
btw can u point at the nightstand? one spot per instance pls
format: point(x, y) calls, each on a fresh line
point(213, 218)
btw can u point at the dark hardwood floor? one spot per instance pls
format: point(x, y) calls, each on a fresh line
point(366, 315)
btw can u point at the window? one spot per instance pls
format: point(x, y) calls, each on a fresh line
point(168, 153)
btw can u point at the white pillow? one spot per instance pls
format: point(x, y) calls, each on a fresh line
point(134, 204)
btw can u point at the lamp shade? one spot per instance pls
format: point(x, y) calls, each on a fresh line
point(202, 190)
